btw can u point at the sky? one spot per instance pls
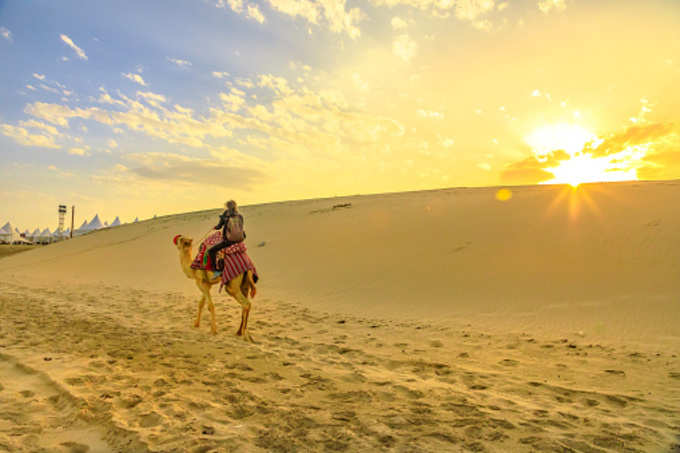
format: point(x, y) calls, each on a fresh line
point(135, 109)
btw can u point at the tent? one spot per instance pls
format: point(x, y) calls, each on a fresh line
point(94, 224)
point(45, 236)
point(136, 220)
point(35, 236)
point(116, 222)
point(6, 233)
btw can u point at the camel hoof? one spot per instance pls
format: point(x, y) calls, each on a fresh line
point(245, 336)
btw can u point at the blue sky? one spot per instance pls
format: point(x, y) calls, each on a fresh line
point(140, 108)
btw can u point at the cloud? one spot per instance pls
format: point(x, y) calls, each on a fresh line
point(547, 6)
point(178, 62)
point(69, 42)
point(532, 170)
point(23, 137)
point(662, 163)
point(77, 152)
point(180, 168)
point(404, 47)
point(5, 33)
point(430, 114)
point(334, 13)
point(135, 78)
point(31, 87)
point(233, 101)
point(634, 136)
point(153, 99)
point(278, 84)
point(255, 13)
point(398, 23)
point(466, 10)
point(39, 76)
point(220, 75)
point(33, 124)
point(112, 143)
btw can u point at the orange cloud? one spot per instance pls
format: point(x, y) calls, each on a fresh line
point(664, 163)
point(532, 170)
point(634, 135)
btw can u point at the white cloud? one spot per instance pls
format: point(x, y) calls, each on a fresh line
point(471, 9)
point(548, 5)
point(178, 62)
point(404, 47)
point(536, 93)
point(77, 151)
point(484, 166)
point(112, 143)
point(64, 58)
point(152, 98)
point(49, 88)
point(278, 84)
point(447, 142)
point(5, 33)
point(255, 13)
point(69, 42)
point(23, 137)
point(39, 76)
point(220, 75)
point(398, 23)
point(335, 13)
point(430, 114)
point(232, 101)
point(33, 124)
point(31, 87)
point(502, 6)
point(468, 10)
point(358, 82)
point(135, 78)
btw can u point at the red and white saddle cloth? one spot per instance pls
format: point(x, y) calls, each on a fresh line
point(236, 260)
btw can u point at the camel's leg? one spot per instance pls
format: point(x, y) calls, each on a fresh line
point(234, 290)
point(211, 307)
point(201, 302)
point(200, 309)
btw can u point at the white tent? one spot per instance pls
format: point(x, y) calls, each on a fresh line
point(45, 236)
point(35, 236)
point(94, 224)
point(116, 222)
point(136, 220)
point(6, 233)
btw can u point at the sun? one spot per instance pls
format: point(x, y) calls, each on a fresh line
point(585, 168)
point(568, 137)
point(580, 166)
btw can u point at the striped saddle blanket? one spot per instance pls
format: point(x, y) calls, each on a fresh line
point(236, 260)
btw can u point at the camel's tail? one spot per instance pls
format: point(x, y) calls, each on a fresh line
point(248, 285)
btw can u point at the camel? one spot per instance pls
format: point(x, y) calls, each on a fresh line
point(237, 288)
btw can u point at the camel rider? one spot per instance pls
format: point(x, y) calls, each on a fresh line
point(231, 223)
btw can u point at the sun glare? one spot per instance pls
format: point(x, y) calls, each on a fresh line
point(568, 137)
point(585, 168)
point(581, 166)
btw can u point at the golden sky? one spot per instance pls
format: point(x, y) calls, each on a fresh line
point(149, 109)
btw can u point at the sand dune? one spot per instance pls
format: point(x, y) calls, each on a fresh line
point(426, 321)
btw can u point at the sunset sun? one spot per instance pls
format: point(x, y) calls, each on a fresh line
point(567, 150)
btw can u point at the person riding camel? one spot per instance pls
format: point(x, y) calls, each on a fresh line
point(231, 223)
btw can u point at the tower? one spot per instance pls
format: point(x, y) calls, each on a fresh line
point(62, 213)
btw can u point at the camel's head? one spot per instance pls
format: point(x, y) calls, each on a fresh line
point(182, 243)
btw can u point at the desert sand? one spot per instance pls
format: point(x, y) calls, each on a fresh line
point(428, 321)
